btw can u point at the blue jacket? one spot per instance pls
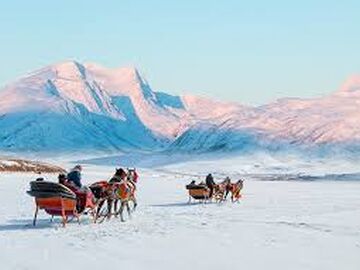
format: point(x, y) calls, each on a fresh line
point(75, 177)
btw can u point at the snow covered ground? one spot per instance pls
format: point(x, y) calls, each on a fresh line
point(277, 225)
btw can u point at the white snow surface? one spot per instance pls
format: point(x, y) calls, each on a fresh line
point(277, 225)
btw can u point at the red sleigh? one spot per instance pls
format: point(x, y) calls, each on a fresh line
point(59, 200)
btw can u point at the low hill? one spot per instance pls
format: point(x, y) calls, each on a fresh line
point(20, 165)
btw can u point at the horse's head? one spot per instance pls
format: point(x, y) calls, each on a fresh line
point(240, 183)
point(120, 172)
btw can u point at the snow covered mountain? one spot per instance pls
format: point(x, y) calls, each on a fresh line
point(327, 124)
point(71, 105)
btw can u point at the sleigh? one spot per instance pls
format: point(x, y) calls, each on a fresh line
point(198, 192)
point(59, 200)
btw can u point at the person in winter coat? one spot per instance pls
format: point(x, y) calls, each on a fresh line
point(210, 183)
point(74, 176)
point(62, 179)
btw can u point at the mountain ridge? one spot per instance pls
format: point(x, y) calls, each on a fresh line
point(72, 105)
point(116, 104)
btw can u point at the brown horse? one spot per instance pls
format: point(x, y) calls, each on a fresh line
point(109, 192)
point(121, 190)
point(235, 189)
point(124, 192)
point(219, 192)
point(103, 192)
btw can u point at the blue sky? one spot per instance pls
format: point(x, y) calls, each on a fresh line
point(248, 51)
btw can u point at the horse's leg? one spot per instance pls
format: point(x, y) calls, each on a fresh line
point(93, 214)
point(135, 203)
point(238, 199)
point(97, 209)
point(121, 211)
point(77, 215)
point(115, 208)
point(238, 196)
point(109, 205)
point(101, 203)
point(128, 209)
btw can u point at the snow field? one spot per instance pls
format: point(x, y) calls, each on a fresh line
point(277, 225)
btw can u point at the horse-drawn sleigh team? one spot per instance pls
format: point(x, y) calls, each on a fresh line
point(70, 199)
point(209, 190)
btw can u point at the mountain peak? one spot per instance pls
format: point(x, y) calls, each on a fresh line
point(129, 70)
point(118, 81)
point(66, 63)
point(69, 68)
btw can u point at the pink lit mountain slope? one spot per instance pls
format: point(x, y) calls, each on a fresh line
point(71, 105)
point(321, 124)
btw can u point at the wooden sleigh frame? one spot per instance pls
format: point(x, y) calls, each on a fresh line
point(199, 193)
point(57, 206)
point(56, 199)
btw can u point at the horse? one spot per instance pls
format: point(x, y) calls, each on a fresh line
point(122, 190)
point(219, 191)
point(108, 192)
point(235, 189)
point(103, 192)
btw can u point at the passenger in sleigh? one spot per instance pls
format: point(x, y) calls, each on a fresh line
point(194, 185)
point(62, 179)
point(74, 176)
point(191, 185)
point(73, 180)
point(84, 195)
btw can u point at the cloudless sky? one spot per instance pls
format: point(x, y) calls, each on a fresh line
point(247, 51)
